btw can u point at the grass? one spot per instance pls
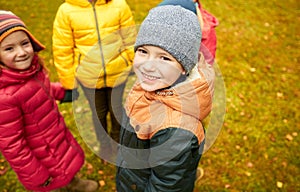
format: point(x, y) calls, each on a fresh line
point(257, 148)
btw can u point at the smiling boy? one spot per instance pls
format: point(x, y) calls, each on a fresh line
point(162, 136)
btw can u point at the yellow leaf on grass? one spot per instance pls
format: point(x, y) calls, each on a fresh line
point(279, 184)
point(252, 69)
point(289, 137)
point(101, 183)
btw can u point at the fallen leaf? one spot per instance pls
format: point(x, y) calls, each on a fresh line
point(284, 164)
point(241, 96)
point(266, 156)
point(101, 183)
point(78, 109)
point(279, 95)
point(3, 170)
point(249, 164)
point(289, 137)
point(64, 112)
point(252, 69)
point(89, 168)
point(279, 184)
point(100, 172)
point(272, 137)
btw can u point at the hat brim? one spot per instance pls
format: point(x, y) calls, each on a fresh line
point(37, 46)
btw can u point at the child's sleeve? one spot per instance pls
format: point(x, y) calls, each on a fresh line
point(128, 30)
point(57, 90)
point(63, 48)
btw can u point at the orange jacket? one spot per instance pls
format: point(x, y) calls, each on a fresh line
point(183, 106)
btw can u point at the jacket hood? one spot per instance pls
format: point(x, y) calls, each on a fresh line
point(11, 77)
point(85, 3)
point(192, 97)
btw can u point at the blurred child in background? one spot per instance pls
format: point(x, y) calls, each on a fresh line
point(208, 23)
point(91, 40)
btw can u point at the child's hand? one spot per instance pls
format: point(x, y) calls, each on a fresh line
point(71, 95)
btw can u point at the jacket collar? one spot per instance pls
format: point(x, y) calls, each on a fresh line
point(10, 77)
point(86, 3)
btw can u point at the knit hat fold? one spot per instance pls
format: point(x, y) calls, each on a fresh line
point(174, 29)
point(10, 23)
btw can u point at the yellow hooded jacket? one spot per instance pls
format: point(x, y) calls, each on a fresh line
point(93, 43)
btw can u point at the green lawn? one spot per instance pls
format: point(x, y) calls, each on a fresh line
point(257, 148)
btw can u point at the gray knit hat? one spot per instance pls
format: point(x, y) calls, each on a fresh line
point(174, 29)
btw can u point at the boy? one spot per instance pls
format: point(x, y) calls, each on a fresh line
point(162, 136)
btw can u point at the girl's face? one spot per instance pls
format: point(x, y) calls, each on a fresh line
point(155, 68)
point(16, 51)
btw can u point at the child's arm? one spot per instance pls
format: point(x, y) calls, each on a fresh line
point(63, 95)
point(58, 91)
point(14, 147)
point(63, 48)
point(174, 158)
point(128, 30)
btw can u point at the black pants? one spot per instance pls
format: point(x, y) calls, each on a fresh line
point(103, 101)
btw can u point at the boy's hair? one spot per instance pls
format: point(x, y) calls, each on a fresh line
point(174, 29)
point(10, 23)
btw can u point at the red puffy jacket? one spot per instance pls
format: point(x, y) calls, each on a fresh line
point(209, 38)
point(33, 136)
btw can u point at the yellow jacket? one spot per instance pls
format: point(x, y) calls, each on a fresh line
point(93, 43)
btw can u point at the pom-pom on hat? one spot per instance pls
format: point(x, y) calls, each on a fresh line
point(10, 23)
point(188, 4)
point(174, 29)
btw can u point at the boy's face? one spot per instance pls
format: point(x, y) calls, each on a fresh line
point(155, 68)
point(16, 51)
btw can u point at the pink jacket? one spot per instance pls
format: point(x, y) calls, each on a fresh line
point(34, 138)
point(209, 37)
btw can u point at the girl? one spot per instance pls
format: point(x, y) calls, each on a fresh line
point(33, 135)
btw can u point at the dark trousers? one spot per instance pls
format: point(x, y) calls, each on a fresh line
point(103, 101)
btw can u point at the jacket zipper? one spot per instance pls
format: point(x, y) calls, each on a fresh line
point(99, 42)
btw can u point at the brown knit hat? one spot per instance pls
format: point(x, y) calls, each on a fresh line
point(9, 23)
